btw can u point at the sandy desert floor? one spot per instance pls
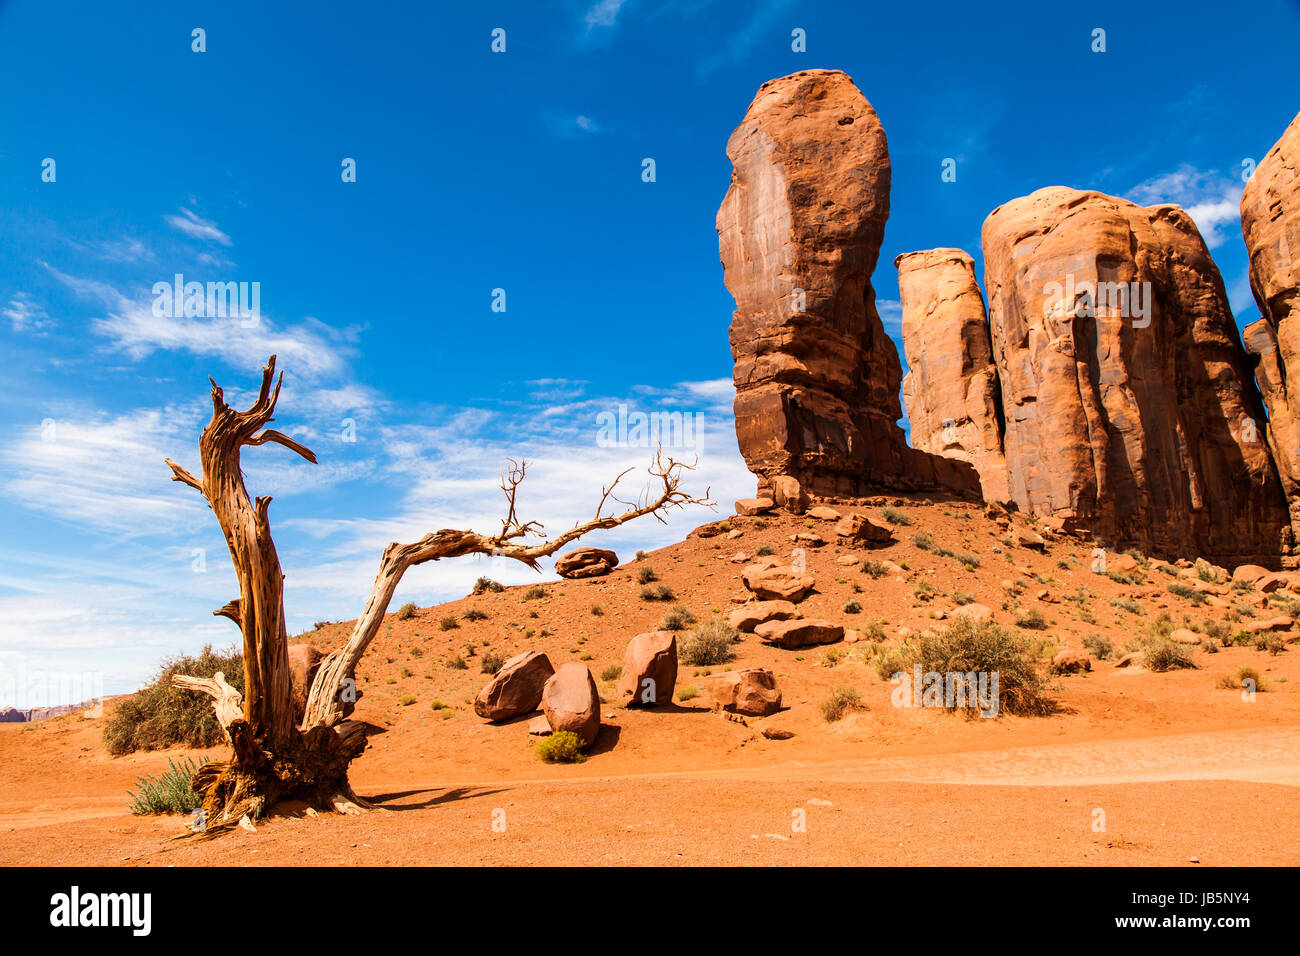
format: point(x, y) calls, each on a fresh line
point(1136, 768)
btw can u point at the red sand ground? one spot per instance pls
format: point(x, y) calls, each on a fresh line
point(1182, 770)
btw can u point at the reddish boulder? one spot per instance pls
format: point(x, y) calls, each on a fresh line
point(749, 616)
point(1124, 381)
point(752, 692)
point(801, 632)
point(799, 234)
point(571, 702)
point(650, 669)
point(954, 404)
point(516, 688)
point(1270, 224)
point(754, 506)
point(304, 661)
point(856, 529)
point(771, 582)
point(586, 563)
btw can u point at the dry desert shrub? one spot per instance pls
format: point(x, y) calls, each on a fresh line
point(984, 647)
point(709, 642)
point(842, 699)
point(160, 715)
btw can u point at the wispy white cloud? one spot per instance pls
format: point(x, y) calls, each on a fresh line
point(568, 125)
point(196, 227)
point(25, 315)
point(739, 42)
point(1212, 199)
point(603, 13)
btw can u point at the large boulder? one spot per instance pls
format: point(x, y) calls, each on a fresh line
point(650, 669)
point(799, 233)
point(586, 563)
point(799, 632)
point(1124, 382)
point(749, 616)
point(771, 582)
point(752, 692)
point(304, 661)
point(954, 404)
point(1270, 224)
point(516, 688)
point(857, 529)
point(571, 702)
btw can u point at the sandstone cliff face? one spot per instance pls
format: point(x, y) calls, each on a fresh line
point(951, 389)
point(1125, 387)
point(1270, 224)
point(799, 234)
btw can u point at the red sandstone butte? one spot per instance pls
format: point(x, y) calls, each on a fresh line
point(1133, 426)
point(1270, 224)
point(954, 404)
point(799, 234)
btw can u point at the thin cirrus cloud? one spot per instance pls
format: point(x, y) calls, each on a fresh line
point(196, 227)
point(603, 13)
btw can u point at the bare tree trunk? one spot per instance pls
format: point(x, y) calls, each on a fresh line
point(272, 758)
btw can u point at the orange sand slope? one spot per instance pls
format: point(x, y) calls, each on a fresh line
point(1138, 768)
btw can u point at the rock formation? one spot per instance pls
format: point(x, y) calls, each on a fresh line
point(516, 688)
point(586, 563)
point(1270, 224)
point(571, 702)
point(951, 391)
point(1124, 384)
point(650, 669)
point(752, 692)
point(799, 234)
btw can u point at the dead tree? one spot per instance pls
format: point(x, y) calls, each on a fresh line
point(273, 757)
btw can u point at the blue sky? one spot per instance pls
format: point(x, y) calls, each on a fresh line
point(479, 171)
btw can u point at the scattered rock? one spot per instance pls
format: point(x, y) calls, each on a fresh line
point(776, 733)
point(976, 612)
point(751, 615)
point(650, 669)
point(858, 529)
point(1282, 623)
point(777, 583)
point(1068, 662)
point(516, 688)
point(1183, 635)
point(572, 703)
point(822, 513)
point(586, 563)
point(754, 506)
point(800, 632)
point(752, 692)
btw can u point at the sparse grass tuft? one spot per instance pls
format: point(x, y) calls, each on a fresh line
point(169, 792)
point(842, 699)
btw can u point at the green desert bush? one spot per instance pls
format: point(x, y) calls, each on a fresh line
point(563, 746)
point(709, 642)
point(160, 715)
point(612, 672)
point(1188, 592)
point(169, 792)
